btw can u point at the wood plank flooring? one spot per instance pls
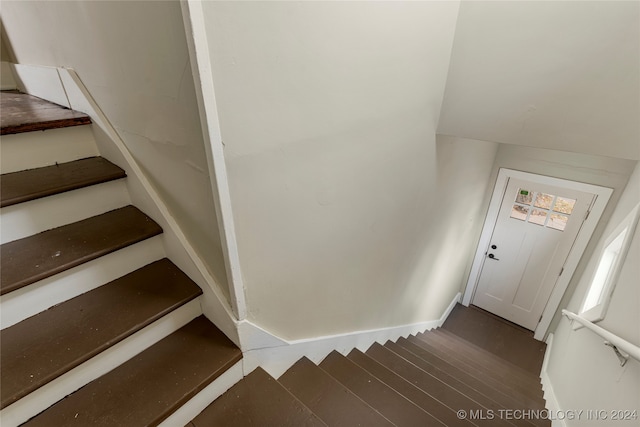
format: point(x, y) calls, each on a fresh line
point(498, 336)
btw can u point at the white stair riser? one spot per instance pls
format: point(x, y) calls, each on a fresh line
point(31, 300)
point(32, 150)
point(47, 395)
point(29, 218)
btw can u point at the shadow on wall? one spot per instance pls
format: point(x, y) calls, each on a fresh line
point(6, 52)
point(451, 232)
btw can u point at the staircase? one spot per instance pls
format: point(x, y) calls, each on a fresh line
point(98, 326)
point(432, 379)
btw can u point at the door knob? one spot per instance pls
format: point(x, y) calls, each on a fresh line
point(493, 257)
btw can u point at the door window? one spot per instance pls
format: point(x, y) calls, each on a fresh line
point(543, 200)
point(546, 210)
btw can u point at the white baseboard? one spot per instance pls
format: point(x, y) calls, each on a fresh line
point(549, 396)
point(547, 354)
point(275, 355)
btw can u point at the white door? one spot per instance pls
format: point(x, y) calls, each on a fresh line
point(536, 227)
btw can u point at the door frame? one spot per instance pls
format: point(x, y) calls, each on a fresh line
point(602, 196)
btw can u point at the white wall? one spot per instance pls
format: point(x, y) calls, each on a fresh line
point(133, 58)
point(465, 185)
point(328, 113)
point(561, 75)
point(584, 373)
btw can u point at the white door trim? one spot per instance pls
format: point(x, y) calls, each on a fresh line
point(602, 198)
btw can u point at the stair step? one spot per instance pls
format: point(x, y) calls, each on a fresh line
point(43, 347)
point(28, 301)
point(258, 400)
point(494, 375)
point(466, 383)
point(486, 357)
point(35, 216)
point(149, 387)
point(327, 398)
point(26, 113)
point(437, 409)
point(414, 355)
point(18, 187)
point(34, 258)
point(393, 357)
point(392, 405)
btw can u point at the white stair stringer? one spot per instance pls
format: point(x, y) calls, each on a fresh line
point(50, 393)
point(30, 300)
point(30, 150)
point(35, 216)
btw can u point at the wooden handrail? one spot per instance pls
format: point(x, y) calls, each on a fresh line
point(621, 347)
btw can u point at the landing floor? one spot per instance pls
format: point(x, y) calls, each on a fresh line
point(498, 336)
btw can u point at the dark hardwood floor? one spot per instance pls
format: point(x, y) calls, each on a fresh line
point(498, 336)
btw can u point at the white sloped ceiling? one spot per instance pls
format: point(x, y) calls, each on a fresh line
point(559, 75)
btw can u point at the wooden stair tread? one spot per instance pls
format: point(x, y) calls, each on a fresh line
point(327, 398)
point(51, 343)
point(18, 187)
point(36, 257)
point(392, 405)
point(152, 385)
point(466, 383)
point(25, 113)
point(442, 413)
point(494, 374)
point(258, 400)
point(393, 357)
point(483, 396)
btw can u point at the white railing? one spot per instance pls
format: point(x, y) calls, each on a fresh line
point(623, 348)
